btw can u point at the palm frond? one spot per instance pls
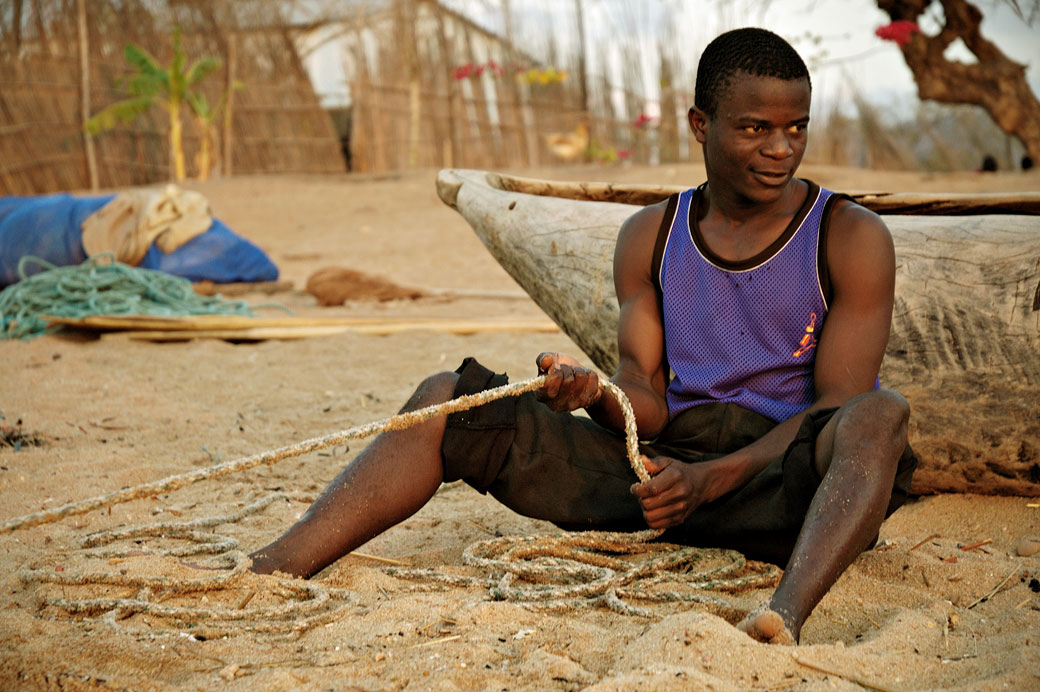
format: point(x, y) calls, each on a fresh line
point(120, 111)
point(140, 84)
point(146, 64)
point(200, 106)
point(200, 70)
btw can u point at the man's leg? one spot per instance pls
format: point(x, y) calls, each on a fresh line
point(857, 454)
point(386, 483)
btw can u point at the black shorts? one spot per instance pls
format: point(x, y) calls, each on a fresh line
point(569, 470)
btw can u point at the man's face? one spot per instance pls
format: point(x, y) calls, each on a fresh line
point(756, 139)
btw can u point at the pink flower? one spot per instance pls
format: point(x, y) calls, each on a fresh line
point(623, 153)
point(463, 71)
point(899, 31)
point(642, 121)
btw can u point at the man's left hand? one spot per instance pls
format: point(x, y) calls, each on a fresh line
point(673, 492)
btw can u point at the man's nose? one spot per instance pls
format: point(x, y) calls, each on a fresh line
point(778, 145)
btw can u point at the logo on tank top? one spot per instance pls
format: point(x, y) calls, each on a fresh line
point(808, 341)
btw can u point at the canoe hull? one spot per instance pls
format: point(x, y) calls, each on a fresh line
point(965, 342)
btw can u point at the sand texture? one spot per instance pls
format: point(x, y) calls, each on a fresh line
point(945, 601)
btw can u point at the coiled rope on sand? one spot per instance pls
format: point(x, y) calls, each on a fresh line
point(99, 286)
point(564, 571)
point(302, 604)
point(577, 570)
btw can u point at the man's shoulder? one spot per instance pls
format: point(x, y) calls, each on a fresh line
point(858, 241)
point(634, 251)
point(846, 213)
point(849, 223)
point(646, 221)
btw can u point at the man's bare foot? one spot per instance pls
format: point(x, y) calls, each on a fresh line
point(767, 626)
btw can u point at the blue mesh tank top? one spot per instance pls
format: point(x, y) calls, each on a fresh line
point(742, 332)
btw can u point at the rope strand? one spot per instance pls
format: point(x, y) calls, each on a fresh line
point(271, 457)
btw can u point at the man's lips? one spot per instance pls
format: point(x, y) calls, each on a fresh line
point(771, 177)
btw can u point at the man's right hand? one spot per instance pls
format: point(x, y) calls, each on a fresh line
point(568, 385)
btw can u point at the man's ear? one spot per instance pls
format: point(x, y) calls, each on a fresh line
point(698, 123)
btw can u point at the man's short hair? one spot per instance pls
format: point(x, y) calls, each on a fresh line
point(758, 52)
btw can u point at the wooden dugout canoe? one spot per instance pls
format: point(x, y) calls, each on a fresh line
point(965, 342)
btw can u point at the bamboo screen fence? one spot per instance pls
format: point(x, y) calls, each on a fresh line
point(50, 51)
point(429, 88)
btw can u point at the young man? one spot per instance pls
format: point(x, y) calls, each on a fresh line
point(755, 311)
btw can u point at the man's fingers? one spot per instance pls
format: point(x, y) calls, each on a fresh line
point(551, 388)
point(568, 385)
point(655, 488)
point(655, 466)
point(661, 511)
point(662, 498)
point(592, 390)
point(665, 499)
point(662, 519)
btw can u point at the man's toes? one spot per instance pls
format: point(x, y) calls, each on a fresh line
point(767, 626)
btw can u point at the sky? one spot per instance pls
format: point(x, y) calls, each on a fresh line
point(835, 37)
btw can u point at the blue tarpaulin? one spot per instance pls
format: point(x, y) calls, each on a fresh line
point(48, 227)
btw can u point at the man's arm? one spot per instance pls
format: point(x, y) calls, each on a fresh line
point(640, 372)
point(861, 260)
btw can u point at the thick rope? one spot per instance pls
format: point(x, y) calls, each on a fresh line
point(561, 572)
point(577, 570)
point(269, 458)
point(548, 573)
point(99, 286)
point(303, 604)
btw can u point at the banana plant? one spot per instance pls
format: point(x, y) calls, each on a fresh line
point(205, 121)
point(154, 85)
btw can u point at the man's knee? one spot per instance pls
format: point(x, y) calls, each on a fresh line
point(435, 389)
point(877, 417)
point(877, 411)
point(889, 410)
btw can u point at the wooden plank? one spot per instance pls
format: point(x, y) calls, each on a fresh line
point(251, 334)
point(207, 326)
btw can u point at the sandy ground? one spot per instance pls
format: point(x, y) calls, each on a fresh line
point(113, 413)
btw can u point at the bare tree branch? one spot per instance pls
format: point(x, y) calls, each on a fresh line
point(996, 82)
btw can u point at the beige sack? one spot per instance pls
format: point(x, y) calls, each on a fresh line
point(133, 220)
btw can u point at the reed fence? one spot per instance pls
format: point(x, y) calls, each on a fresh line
point(55, 72)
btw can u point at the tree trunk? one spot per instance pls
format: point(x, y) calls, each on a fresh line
point(996, 83)
point(229, 106)
point(84, 92)
point(176, 145)
point(965, 343)
point(204, 158)
point(447, 50)
point(408, 34)
point(583, 80)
